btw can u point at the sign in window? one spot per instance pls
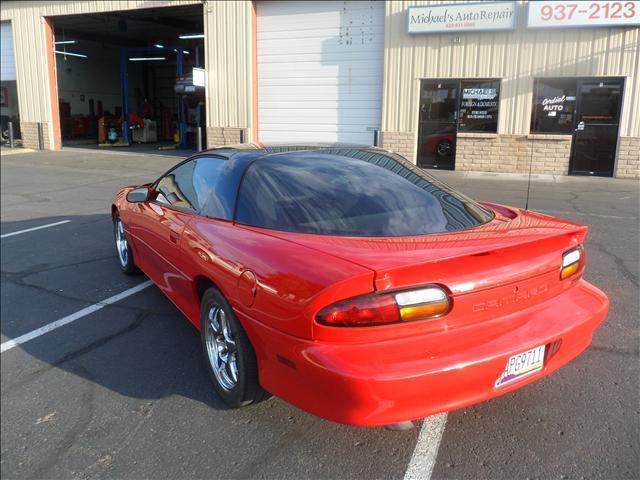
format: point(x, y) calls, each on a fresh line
point(554, 105)
point(479, 106)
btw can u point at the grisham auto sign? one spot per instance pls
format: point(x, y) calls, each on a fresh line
point(462, 17)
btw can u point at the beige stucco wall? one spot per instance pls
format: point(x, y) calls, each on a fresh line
point(516, 57)
point(227, 56)
point(228, 51)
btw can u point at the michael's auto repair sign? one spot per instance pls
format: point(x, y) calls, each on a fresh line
point(461, 17)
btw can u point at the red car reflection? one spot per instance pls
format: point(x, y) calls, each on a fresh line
point(439, 144)
point(354, 285)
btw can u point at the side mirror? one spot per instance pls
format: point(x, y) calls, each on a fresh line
point(138, 195)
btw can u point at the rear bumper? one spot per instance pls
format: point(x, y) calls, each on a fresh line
point(409, 378)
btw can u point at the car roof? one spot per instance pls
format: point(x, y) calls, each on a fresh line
point(242, 155)
point(258, 150)
point(239, 157)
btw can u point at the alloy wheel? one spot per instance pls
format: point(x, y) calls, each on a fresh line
point(221, 348)
point(121, 244)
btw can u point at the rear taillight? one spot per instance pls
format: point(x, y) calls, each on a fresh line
point(572, 262)
point(383, 309)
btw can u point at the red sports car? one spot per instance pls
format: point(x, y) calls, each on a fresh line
point(354, 285)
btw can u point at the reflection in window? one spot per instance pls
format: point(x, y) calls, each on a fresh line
point(438, 102)
point(192, 186)
point(600, 102)
point(554, 104)
point(176, 188)
point(370, 194)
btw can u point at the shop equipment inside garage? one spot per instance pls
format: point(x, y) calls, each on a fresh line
point(126, 79)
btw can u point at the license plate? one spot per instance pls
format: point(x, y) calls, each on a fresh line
point(522, 364)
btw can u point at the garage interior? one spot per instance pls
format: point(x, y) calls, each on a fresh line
point(9, 114)
point(125, 79)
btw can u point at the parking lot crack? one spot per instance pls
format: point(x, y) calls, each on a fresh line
point(620, 263)
point(137, 322)
point(45, 268)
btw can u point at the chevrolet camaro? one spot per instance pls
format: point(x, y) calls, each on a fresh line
point(353, 284)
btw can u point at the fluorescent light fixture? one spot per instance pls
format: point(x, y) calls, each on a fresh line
point(187, 36)
point(185, 52)
point(158, 45)
point(70, 54)
point(146, 59)
point(65, 42)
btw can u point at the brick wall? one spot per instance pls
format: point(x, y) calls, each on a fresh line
point(488, 152)
point(628, 158)
point(403, 143)
point(513, 153)
point(218, 136)
point(29, 132)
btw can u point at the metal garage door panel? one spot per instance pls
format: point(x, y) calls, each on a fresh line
point(319, 71)
point(7, 63)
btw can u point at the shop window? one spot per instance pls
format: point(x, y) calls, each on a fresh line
point(451, 106)
point(554, 105)
point(479, 106)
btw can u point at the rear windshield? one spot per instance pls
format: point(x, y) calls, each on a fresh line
point(353, 193)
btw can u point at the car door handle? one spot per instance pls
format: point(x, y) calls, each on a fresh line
point(174, 236)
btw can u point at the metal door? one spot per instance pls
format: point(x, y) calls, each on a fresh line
point(595, 137)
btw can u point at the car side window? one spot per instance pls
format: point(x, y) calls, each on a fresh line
point(176, 188)
point(192, 185)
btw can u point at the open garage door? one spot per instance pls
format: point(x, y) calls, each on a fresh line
point(8, 91)
point(125, 78)
point(320, 70)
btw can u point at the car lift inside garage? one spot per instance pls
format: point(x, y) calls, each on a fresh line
point(125, 79)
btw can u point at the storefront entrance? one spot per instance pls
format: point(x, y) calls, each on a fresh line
point(588, 109)
point(595, 136)
point(451, 106)
point(438, 125)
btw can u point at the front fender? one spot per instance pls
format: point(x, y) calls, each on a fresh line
point(121, 204)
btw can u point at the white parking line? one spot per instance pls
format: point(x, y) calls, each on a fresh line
point(426, 450)
point(71, 318)
point(34, 228)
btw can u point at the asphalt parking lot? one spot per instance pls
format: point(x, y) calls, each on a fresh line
point(122, 392)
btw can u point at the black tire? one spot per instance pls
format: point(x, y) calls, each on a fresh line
point(125, 260)
point(246, 389)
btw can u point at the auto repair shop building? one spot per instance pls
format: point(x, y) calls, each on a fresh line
point(479, 86)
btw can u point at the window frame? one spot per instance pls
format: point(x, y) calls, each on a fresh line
point(154, 185)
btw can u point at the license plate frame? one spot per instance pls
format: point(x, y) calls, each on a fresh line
point(521, 365)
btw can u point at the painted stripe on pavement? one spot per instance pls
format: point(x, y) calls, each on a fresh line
point(426, 450)
point(9, 344)
point(34, 228)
